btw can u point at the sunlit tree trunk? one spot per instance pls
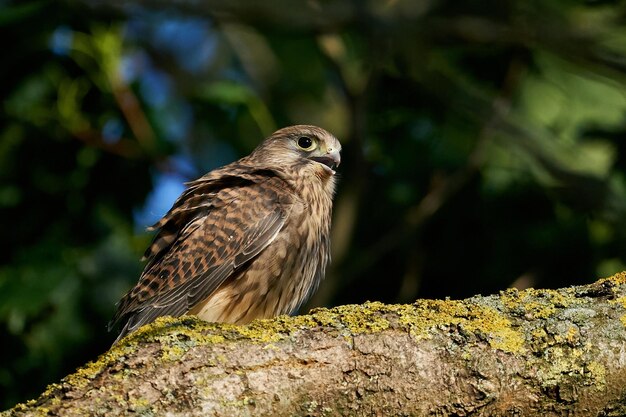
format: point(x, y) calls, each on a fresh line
point(533, 352)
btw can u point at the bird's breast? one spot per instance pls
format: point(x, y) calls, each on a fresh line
point(283, 276)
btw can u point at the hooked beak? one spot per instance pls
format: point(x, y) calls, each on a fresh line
point(330, 160)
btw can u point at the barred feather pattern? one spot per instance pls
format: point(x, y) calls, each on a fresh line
point(248, 240)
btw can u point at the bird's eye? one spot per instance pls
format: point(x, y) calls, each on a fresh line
point(306, 143)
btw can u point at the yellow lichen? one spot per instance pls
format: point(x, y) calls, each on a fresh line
point(598, 374)
point(424, 316)
point(560, 364)
point(486, 322)
point(420, 319)
point(369, 319)
point(538, 334)
point(572, 335)
point(139, 405)
point(258, 331)
point(617, 279)
point(619, 300)
point(173, 353)
point(622, 302)
point(556, 365)
point(498, 330)
point(533, 303)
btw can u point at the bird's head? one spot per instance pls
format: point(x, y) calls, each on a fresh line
point(301, 146)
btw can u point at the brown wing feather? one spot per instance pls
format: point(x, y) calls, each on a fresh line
point(200, 196)
point(202, 241)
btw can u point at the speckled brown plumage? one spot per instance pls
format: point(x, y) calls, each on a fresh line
point(248, 240)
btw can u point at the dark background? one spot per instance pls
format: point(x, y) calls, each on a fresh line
point(484, 146)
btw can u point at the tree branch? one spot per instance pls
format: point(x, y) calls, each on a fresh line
point(532, 352)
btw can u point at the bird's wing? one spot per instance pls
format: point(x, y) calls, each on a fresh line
point(213, 229)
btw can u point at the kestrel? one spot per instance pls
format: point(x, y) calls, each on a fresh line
point(245, 241)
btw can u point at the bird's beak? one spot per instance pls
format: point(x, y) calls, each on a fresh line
point(330, 159)
point(335, 157)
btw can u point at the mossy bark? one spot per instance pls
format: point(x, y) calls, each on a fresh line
point(533, 352)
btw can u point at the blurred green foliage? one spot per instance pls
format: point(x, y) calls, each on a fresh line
point(484, 146)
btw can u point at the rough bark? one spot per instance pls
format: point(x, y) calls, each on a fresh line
point(519, 353)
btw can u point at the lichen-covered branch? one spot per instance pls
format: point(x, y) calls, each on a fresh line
point(533, 352)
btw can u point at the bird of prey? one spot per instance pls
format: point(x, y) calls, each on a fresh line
point(245, 241)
